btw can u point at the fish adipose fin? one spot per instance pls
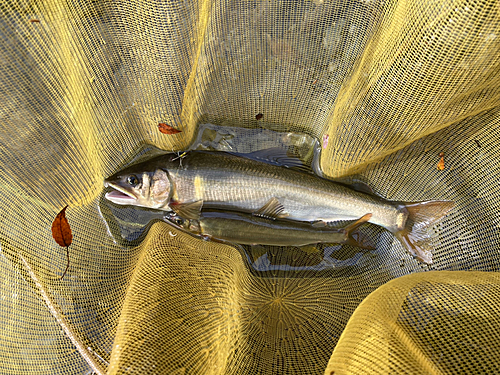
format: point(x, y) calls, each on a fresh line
point(271, 210)
point(355, 238)
point(190, 210)
point(414, 235)
point(362, 187)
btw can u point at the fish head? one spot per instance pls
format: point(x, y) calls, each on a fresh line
point(140, 186)
point(188, 225)
point(177, 220)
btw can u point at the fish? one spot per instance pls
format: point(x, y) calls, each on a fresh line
point(246, 229)
point(225, 181)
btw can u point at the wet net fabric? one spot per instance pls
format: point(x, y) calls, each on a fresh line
point(385, 87)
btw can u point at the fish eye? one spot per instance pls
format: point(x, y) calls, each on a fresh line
point(179, 221)
point(132, 180)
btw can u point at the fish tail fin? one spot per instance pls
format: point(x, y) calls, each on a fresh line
point(414, 235)
point(356, 238)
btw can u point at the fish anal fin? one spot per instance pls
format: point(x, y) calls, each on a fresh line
point(191, 210)
point(273, 209)
point(353, 226)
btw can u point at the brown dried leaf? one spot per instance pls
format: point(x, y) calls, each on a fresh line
point(167, 129)
point(61, 232)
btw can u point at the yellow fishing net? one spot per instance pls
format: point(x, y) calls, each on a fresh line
point(383, 86)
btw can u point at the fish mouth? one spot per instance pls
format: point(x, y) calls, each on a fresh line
point(119, 195)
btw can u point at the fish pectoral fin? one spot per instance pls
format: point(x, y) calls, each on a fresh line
point(191, 210)
point(273, 209)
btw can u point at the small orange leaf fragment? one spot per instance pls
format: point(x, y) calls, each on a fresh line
point(440, 165)
point(167, 129)
point(61, 232)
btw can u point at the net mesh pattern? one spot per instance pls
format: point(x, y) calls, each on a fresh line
point(415, 324)
point(385, 86)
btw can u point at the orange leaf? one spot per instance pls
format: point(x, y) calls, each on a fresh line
point(440, 165)
point(167, 129)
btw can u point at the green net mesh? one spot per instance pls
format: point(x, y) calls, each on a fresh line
point(384, 86)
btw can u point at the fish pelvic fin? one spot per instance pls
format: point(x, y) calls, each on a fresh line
point(356, 238)
point(414, 235)
point(273, 210)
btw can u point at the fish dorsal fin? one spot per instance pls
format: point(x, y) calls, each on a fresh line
point(191, 210)
point(273, 209)
point(278, 156)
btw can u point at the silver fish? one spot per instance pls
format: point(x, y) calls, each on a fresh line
point(224, 181)
point(251, 230)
